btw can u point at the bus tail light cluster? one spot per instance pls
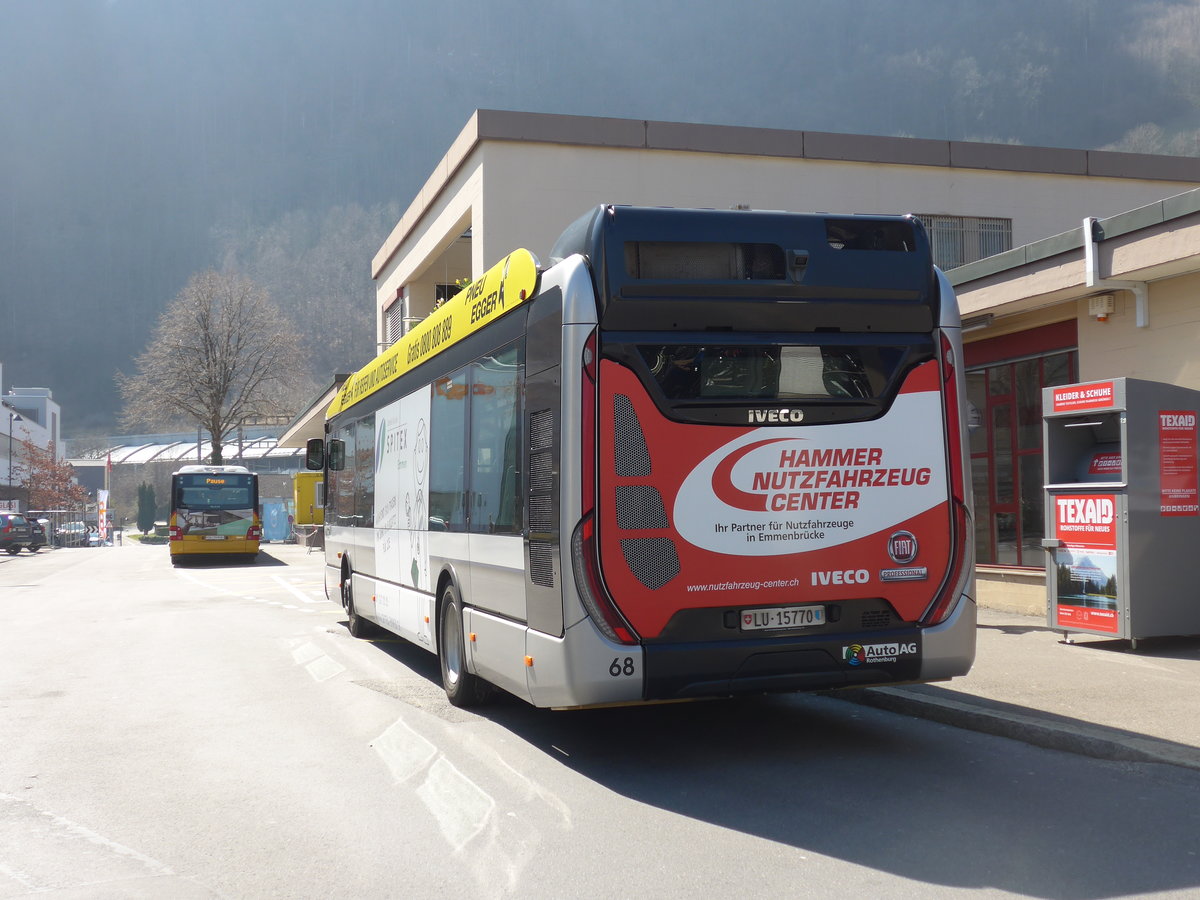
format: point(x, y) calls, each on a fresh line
point(957, 574)
point(174, 533)
point(254, 533)
point(584, 556)
point(591, 590)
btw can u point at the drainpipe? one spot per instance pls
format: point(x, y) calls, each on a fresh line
point(1092, 235)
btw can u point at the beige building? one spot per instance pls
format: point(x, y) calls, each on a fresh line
point(1111, 297)
point(517, 179)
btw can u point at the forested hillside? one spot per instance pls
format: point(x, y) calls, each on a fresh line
point(146, 140)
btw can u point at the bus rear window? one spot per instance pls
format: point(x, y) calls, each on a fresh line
point(782, 372)
point(703, 261)
point(215, 492)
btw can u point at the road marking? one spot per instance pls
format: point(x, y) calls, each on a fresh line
point(403, 751)
point(306, 653)
point(324, 667)
point(57, 853)
point(462, 808)
point(204, 584)
point(295, 591)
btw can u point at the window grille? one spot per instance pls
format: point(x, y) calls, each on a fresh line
point(958, 240)
point(393, 322)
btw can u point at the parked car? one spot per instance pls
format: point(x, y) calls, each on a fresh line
point(72, 534)
point(15, 532)
point(37, 535)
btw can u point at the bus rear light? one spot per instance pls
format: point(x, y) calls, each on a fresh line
point(587, 411)
point(591, 590)
point(589, 358)
point(957, 575)
point(174, 533)
point(954, 442)
point(254, 533)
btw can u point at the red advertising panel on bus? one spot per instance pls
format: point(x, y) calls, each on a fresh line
point(716, 516)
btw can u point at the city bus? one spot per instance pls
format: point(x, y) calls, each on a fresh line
point(700, 453)
point(214, 510)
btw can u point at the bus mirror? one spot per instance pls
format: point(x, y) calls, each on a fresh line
point(337, 456)
point(314, 457)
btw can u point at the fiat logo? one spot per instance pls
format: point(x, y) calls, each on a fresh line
point(902, 547)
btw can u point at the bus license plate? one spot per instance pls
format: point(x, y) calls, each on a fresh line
point(214, 537)
point(783, 617)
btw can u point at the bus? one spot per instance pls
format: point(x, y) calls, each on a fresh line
point(700, 453)
point(214, 510)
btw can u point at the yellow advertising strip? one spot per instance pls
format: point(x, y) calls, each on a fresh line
point(501, 289)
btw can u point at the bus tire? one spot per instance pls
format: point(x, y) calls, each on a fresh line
point(463, 689)
point(358, 626)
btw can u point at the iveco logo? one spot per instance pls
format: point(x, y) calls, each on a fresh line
point(902, 547)
point(774, 416)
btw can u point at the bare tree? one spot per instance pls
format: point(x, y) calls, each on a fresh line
point(222, 352)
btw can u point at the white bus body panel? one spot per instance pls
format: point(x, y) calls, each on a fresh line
point(577, 669)
point(496, 650)
point(497, 563)
point(948, 649)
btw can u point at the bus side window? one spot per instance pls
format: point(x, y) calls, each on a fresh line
point(364, 471)
point(337, 455)
point(496, 387)
point(447, 453)
point(345, 480)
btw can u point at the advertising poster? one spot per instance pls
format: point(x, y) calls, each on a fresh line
point(1079, 397)
point(1179, 494)
point(766, 516)
point(1086, 563)
point(102, 514)
point(401, 520)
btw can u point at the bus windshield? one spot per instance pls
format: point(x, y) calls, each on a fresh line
point(214, 491)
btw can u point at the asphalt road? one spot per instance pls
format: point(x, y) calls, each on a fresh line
point(215, 732)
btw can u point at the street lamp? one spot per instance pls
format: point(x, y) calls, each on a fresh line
point(12, 417)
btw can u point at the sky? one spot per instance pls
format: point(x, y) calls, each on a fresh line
point(133, 130)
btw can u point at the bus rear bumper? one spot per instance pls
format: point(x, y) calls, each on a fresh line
point(194, 547)
point(812, 661)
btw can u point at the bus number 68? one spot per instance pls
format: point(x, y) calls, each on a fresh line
point(621, 667)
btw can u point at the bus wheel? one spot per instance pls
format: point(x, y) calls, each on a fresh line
point(462, 688)
point(359, 627)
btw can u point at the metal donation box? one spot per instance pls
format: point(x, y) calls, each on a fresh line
point(1122, 508)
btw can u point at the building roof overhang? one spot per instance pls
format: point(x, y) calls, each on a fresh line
point(310, 423)
point(1152, 243)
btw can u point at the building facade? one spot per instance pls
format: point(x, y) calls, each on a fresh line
point(1115, 296)
point(518, 179)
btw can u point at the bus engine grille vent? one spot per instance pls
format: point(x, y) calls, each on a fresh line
point(541, 514)
point(541, 472)
point(640, 506)
point(653, 561)
point(632, 457)
point(541, 563)
point(541, 429)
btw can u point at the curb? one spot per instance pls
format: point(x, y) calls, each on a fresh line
point(1025, 725)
